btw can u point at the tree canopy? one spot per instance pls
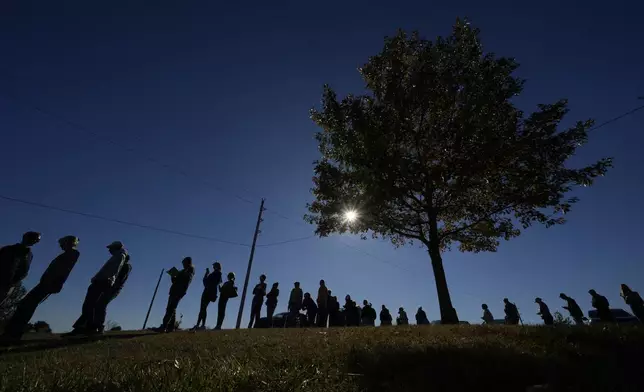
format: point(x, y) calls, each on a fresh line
point(438, 153)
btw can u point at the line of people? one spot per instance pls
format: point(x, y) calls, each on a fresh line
point(598, 302)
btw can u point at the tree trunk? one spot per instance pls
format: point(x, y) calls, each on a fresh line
point(448, 313)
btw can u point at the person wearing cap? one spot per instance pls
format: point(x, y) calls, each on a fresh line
point(15, 261)
point(211, 282)
point(544, 312)
point(51, 282)
point(100, 285)
point(227, 291)
point(180, 282)
point(259, 292)
point(100, 314)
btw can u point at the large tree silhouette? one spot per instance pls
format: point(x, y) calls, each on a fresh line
point(437, 152)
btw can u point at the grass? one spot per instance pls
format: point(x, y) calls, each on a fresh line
point(435, 358)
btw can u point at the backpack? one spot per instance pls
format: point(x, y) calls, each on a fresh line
point(229, 290)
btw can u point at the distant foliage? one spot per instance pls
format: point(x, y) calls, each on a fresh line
point(560, 319)
point(111, 325)
point(42, 327)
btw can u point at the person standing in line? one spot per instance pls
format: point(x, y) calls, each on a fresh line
point(600, 303)
point(573, 308)
point(100, 285)
point(512, 316)
point(271, 303)
point(15, 261)
point(51, 282)
point(259, 292)
point(368, 316)
point(633, 299)
point(211, 282)
point(544, 312)
point(308, 305)
point(421, 317)
point(295, 302)
point(487, 315)
point(180, 282)
point(385, 317)
point(228, 290)
point(111, 294)
point(402, 317)
point(323, 304)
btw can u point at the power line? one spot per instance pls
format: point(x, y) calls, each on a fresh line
point(612, 120)
point(287, 241)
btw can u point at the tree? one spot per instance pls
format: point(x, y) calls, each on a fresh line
point(111, 325)
point(438, 154)
point(8, 307)
point(560, 319)
point(42, 326)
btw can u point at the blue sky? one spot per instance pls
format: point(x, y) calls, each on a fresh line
point(222, 91)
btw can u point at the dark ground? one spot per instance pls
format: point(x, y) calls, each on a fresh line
point(428, 358)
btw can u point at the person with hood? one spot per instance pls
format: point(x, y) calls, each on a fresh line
point(421, 317)
point(385, 317)
point(575, 311)
point(402, 317)
point(487, 315)
point(600, 303)
point(311, 309)
point(259, 292)
point(323, 304)
point(15, 261)
point(180, 282)
point(271, 302)
point(211, 282)
point(512, 316)
point(228, 290)
point(633, 299)
point(100, 285)
point(544, 312)
point(295, 301)
point(51, 282)
point(368, 316)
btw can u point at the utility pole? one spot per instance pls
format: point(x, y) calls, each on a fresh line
point(250, 264)
point(151, 302)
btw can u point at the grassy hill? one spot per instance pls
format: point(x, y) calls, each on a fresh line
point(434, 358)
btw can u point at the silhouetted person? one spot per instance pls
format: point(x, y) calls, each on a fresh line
point(402, 317)
point(544, 312)
point(421, 317)
point(575, 311)
point(334, 311)
point(600, 303)
point(295, 301)
point(271, 303)
point(487, 315)
point(211, 282)
point(180, 282)
point(512, 316)
point(259, 292)
point(228, 291)
point(368, 314)
point(323, 304)
point(385, 316)
point(100, 314)
point(51, 282)
point(100, 285)
point(351, 313)
point(15, 261)
point(633, 299)
point(311, 309)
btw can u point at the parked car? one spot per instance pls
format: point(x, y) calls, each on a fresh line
point(620, 315)
point(280, 320)
point(438, 322)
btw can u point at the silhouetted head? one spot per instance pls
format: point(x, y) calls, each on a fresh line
point(307, 295)
point(484, 306)
point(115, 247)
point(322, 282)
point(262, 278)
point(347, 298)
point(592, 292)
point(231, 276)
point(297, 285)
point(365, 302)
point(30, 238)
point(537, 300)
point(68, 243)
point(625, 289)
point(216, 266)
point(275, 285)
point(420, 308)
point(400, 309)
point(506, 300)
point(186, 262)
point(335, 298)
point(563, 296)
point(384, 307)
point(329, 293)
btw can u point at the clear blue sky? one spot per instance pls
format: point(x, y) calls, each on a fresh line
point(222, 90)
